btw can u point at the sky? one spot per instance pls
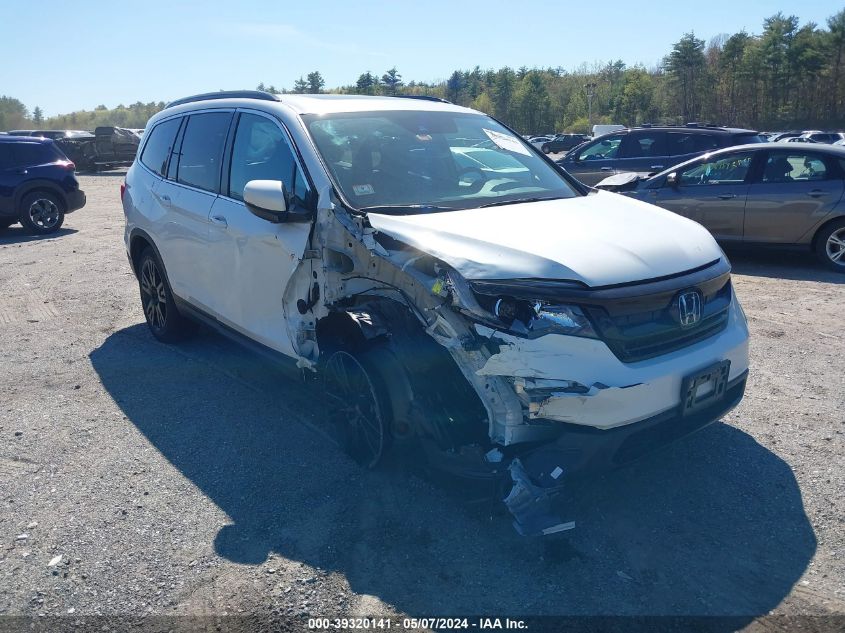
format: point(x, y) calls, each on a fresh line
point(64, 56)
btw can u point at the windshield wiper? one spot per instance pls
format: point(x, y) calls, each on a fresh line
point(405, 208)
point(500, 203)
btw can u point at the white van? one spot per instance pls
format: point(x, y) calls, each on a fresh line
point(453, 288)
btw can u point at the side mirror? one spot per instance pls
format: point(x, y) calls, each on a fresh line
point(267, 199)
point(672, 180)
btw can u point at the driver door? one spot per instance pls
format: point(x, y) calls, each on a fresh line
point(712, 192)
point(594, 162)
point(255, 259)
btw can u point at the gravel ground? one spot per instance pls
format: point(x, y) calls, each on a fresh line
point(138, 478)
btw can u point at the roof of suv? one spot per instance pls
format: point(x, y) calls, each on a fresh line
point(319, 103)
point(694, 129)
point(24, 139)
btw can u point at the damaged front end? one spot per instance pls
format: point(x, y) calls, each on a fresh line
point(521, 383)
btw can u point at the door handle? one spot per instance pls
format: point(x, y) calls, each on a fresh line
point(657, 167)
point(219, 220)
point(166, 198)
point(607, 168)
point(726, 196)
point(816, 193)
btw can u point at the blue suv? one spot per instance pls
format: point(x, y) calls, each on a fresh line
point(37, 184)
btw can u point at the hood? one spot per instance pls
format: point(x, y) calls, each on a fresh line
point(598, 239)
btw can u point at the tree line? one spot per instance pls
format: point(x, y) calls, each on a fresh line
point(787, 76)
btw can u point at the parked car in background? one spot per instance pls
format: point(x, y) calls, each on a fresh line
point(37, 184)
point(800, 139)
point(784, 136)
point(563, 143)
point(451, 287)
point(822, 137)
point(60, 134)
point(771, 194)
point(538, 141)
point(648, 149)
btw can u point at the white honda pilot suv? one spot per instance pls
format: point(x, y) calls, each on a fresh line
point(453, 288)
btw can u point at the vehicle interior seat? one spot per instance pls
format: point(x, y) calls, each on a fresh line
point(777, 170)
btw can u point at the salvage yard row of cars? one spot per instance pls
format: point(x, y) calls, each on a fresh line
point(374, 242)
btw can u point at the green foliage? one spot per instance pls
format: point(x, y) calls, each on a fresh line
point(315, 82)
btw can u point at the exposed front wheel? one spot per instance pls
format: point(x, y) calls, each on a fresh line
point(830, 246)
point(160, 312)
point(358, 406)
point(42, 213)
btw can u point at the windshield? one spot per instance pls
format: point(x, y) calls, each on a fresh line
point(422, 161)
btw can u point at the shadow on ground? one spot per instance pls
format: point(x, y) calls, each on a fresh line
point(17, 234)
point(781, 264)
point(711, 526)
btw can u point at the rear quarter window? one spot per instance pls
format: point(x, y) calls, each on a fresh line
point(159, 144)
point(31, 154)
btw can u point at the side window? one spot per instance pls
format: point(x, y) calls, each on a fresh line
point(159, 145)
point(603, 149)
point(640, 145)
point(725, 170)
point(794, 166)
point(680, 144)
point(31, 154)
point(261, 152)
point(202, 150)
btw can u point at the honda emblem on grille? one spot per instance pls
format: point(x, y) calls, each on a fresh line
point(689, 308)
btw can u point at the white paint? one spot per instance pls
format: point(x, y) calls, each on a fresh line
point(634, 391)
point(599, 239)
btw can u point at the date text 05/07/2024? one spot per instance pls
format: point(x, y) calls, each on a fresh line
point(416, 624)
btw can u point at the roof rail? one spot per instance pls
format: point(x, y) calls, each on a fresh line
point(225, 94)
point(422, 97)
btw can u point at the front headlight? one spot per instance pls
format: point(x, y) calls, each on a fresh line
point(535, 318)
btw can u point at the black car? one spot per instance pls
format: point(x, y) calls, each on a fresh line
point(648, 149)
point(37, 184)
point(563, 143)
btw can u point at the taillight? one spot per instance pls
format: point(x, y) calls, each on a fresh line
point(122, 190)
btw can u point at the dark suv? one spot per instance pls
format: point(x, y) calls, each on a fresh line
point(648, 149)
point(37, 184)
point(563, 143)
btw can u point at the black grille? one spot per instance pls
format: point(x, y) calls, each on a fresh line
point(652, 327)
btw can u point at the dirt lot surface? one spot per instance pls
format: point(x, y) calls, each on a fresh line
point(141, 478)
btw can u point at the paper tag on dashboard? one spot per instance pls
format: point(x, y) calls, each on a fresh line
point(506, 142)
point(363, 190)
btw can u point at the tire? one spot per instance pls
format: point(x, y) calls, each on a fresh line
point(42, 212)
point(546, 149)
point(5, 224)
point(830, 245)
point(360, 409)
point(162, 316)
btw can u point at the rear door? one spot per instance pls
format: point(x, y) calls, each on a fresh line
point(254, 259)
point(9, 178)
point(796, 190)
point(711, 191)
point(192, 185)
point(642, 151)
